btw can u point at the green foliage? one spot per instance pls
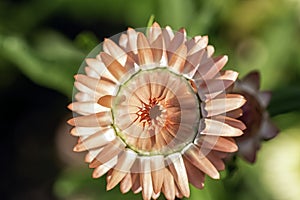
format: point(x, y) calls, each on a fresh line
point(77, 183)
point(51, 62)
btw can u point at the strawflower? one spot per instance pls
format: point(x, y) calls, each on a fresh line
point(154, 114)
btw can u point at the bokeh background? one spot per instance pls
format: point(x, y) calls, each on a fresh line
point(42, 45)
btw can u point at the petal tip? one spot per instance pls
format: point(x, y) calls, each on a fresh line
point(70, 106)
point(156, 25)
point(224, 58)
point(109, 187)
point(71, 122)
point(95, 174)
point(216, 176)
point(76, 148)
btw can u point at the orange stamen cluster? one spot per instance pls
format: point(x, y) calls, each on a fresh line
point(144, 114)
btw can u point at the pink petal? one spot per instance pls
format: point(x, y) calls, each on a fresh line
point(168, 185)
point(123, 41)
point(86, 108)
point(98, 66)
point(178, 171)
point(192, 63)
point(95, 120)
point(190, 43)
point(81, 96)
point(144, 51)
point(268, 130)
point(177, 59)
point(126, 183)
point(101, 86)
point(132, 40)
point(212, 67)
point(115, 51)
point(252, 79)
point(83, 131)
point(168, 35)
point(157, 49)
point(125, 162)
point(96, 140)
point(264, 98)
point(209, 51)
point(216, 143)
point(222, 105)
point(196, 177)
point(230, 121)
point(84, 89)
point(104, 168)
point(193, 154)
point(211, 88)
point(199, 45)
point(106, 101)
point(136, 186)
point(177, 41)
point(235, 113)
point(217, 128)
point(145, 178)
point(154, 32)
point(114, 148)
point(247, 149)
point(157, 166)
point(113, 66)
point(92, 154)
point(91, 73)
point(216, 161)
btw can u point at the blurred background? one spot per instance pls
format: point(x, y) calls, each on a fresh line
point(42, 45)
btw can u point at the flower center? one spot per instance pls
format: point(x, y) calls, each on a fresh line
point(156, 112)
point(149, 112)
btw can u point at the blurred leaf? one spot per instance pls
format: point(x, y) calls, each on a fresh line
point(52, 64)
point(136, 12)
point(76, 182)
point(286, 120)
point(52, 46)
point(246, 184)
point(176, 13)
point(197, 194)
point(204, 18)
point(285, 100)
point(21, 17)
point(279, 164)
point(86, 41)
point(93, 9)
point(213, 190)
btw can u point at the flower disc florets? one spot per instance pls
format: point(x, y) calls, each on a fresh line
point(155, 115)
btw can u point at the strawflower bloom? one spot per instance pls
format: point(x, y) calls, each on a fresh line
point(255, 116)
point(154, 114)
